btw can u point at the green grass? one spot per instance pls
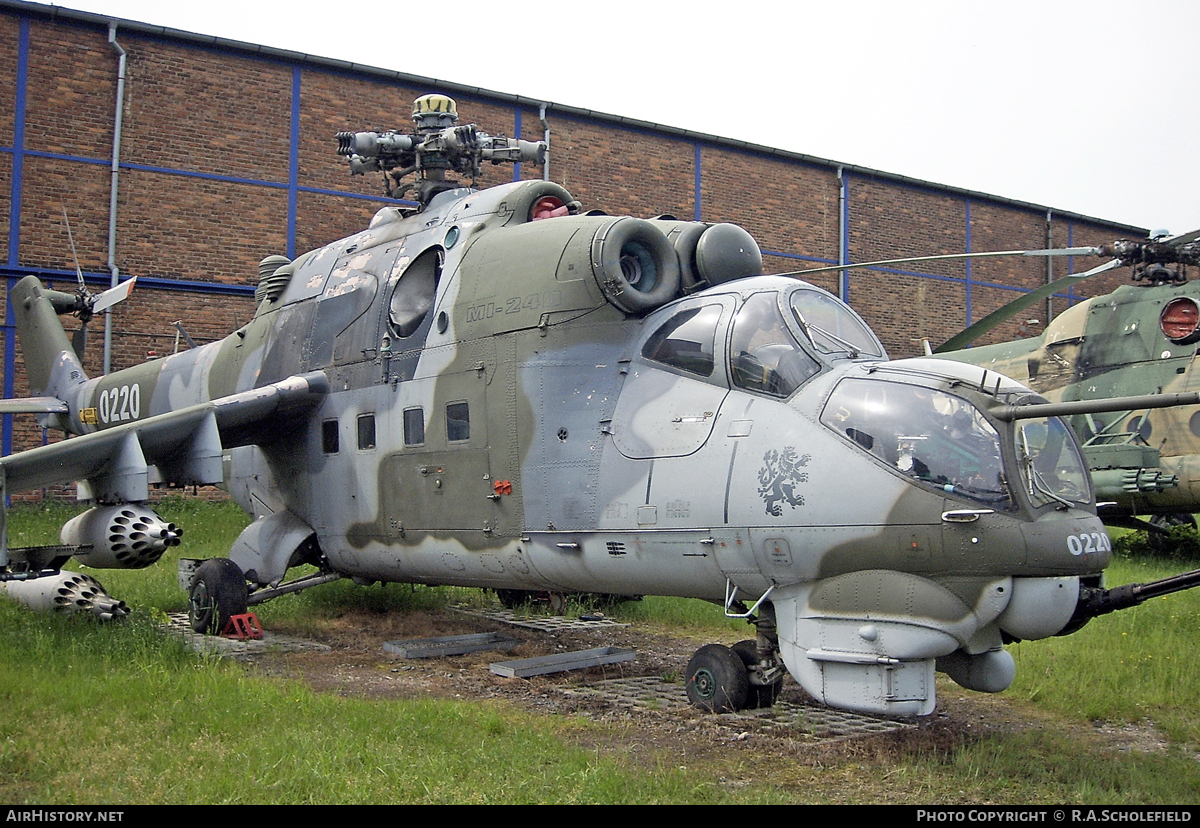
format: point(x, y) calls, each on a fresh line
point(122, 713)
point(1127, 666)
point(688, 617)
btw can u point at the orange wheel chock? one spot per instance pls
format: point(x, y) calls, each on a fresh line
point(243, 627)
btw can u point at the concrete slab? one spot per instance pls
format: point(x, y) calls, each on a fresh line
point(449, 645)
point(561, 662)
point(542, 623)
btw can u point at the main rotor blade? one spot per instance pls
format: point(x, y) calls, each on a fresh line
point(1184, 238)
point(74, 255)
point(1005, 313)
point(113, 295)
point(1054, 251)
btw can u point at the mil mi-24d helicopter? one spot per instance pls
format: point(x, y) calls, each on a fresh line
point(497, 390)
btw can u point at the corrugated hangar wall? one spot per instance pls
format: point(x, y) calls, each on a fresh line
point(227, 155)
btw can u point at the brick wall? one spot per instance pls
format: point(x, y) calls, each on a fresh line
point(208, 186)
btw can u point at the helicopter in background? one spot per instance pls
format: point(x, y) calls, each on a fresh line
point(1140, 339)
point(496, 389)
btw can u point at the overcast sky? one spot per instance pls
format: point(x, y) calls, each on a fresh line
point(1090, 106)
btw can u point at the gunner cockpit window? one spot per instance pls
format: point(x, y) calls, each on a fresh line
point(927, 435)
point(1051, 467)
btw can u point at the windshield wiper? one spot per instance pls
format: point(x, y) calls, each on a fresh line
point(848, 347)
point(1036, 481)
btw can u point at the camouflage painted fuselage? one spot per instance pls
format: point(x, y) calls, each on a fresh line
point(496, 417)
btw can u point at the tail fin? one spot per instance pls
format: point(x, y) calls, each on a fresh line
point(50, 362)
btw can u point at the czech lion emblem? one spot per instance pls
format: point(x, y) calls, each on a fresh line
point(781, 473)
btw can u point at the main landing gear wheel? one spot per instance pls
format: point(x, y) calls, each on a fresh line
point(1161, 541)
point(716, 679)
point(516, 598)
point(758, 695)
point(513, 598)
point(218, 593)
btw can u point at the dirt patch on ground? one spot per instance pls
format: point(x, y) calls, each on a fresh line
point(356, 665)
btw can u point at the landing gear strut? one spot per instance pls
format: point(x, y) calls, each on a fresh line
point(516, 598)
point(747, 675)
point(759, 695)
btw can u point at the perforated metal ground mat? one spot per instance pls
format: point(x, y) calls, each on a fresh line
point(818, 723)
point(543, 623)
point(216, 645)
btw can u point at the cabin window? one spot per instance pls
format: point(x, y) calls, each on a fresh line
point(685, 341)
point(458, 422)
point(414, 426)
point(413, 295)
point(366, 432)
point(763, 354)
point(329, 437)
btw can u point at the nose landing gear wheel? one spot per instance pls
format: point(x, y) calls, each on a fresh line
point(758, 695)
point(716, 680)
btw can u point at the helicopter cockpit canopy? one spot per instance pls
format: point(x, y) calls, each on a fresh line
point(777, 337)
point(932, 437)
point(763, 354)
point(945, 441)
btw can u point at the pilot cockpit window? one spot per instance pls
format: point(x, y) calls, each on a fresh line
point(685, 341)
point(413, 295)
point(929, 436)
point(1051, 467)
point(763, 354)
point(832, 326)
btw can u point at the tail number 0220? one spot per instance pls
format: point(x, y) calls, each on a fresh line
point(124, 402)
point(1088, 543)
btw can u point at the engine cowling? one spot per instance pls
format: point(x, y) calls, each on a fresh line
point(126, 536)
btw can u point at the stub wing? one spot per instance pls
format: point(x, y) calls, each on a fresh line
point(185, 446)
point(33, 405)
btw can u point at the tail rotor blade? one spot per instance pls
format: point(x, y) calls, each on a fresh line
point(110, 297)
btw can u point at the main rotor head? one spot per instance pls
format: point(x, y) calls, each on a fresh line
point(437, 146)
